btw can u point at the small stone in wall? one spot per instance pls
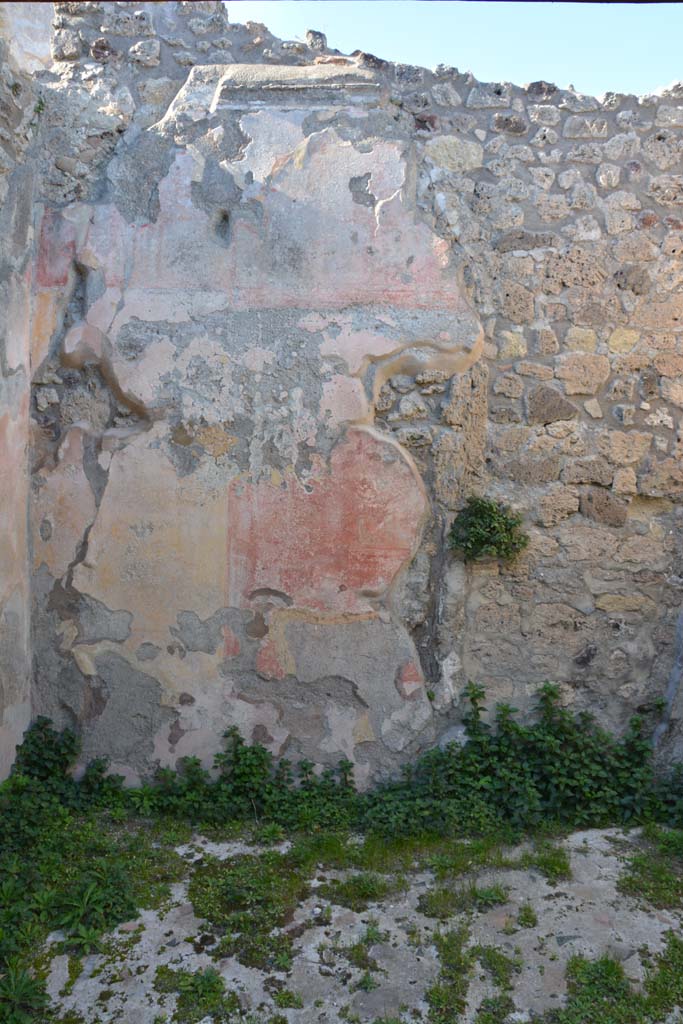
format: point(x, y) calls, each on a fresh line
point(533, 472)
point(634, 279)
point(669, 364)
point(454, 154)
point(625, 481)
point(546, 342)
point(620, 604)
point(672, 391)
point(429, 377)
point(624, 448)
point(411, 407)
point(578, 127)
point(649, 384)
point(645, 551)
point(520, 240)
point(588, 471)
point(667, 189)
point(126, 23)
point(625, 414)
point(385, 398)
point(581, 339)
point(446, 95)
point(541, 90)
point(663, 480)
point(603, 506)
point(546, 404)
point(621, 389)
point(659, 418)
point(622, 339)
point(66, 45)
point(509, 385)
point(414, 437)
point(46, 397)
point(607, 175)
point(557, 504)
point(316, 40)
point(618, 221)
point(509, 123)
point(101, 50)
point(544, 113)
point(487, 95)
point(402, 383)
point(145, 53)
point(512, 345)
point(670, 117)
point(538, 370)
point(500, 413)
point(583, 374)
point(593, 408)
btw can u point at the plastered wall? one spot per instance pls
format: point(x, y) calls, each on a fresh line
point(288, 310)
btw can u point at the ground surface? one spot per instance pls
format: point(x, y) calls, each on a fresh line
point(355, 932)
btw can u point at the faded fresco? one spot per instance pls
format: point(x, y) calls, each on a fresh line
point(276, 314)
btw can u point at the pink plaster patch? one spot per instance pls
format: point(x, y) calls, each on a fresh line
point(56, 250)
point(343, 401)
point(82, 342)
point(331, 546)
point(410, 681)
point(268, 663)
point(231, 643)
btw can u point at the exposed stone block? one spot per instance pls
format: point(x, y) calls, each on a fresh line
point(591, 470)
point(603, 506)
point(582, 374)
point(557, 504)
point(546, 405)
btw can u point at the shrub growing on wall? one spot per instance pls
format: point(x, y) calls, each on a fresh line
point(485, 527)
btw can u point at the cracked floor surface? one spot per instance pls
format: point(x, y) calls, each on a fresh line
point(376, 958)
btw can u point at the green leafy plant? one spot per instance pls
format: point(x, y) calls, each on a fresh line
point(527, 917)
point(552, 861)
point(357, 891)
point(286, 1000)
point(656, 874)
point(200, 994)
point(94, 863)
point(366, 983)
point(22, 996)
point(447, 997)
point(600, 991)
point(487, 528)
point(494, 1010)
point(245, 899)
point(445, 901)
point(499, 966)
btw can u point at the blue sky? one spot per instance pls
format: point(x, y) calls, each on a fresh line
point(596, 47)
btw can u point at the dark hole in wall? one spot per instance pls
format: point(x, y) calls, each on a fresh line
point(222, 227)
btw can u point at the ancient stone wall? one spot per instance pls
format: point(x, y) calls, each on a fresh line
point(18, 98)
point(289, 310)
